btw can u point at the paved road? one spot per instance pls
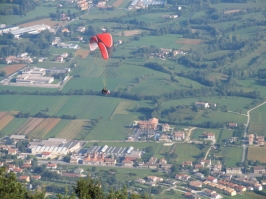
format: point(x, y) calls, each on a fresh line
point(244, 153)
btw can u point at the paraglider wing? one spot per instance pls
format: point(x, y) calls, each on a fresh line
point(106, 39)
point(93, 43)
point(103, 50)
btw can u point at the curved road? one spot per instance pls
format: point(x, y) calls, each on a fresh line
point(246, 131)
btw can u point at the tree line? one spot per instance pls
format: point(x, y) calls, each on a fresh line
point(44, 115)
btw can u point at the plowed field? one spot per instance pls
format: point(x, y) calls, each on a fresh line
point(72, 129)
point(5, 120)
point(46, 126)
point(83, 53)
point(29, 126)
point(12, 68)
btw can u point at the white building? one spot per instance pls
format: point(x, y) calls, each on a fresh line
point(34, 79)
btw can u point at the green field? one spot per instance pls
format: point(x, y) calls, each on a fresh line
point(37, 12)
point(233, 155)
point(12, 126)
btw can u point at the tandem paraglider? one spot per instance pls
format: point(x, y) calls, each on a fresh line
point(104, 42)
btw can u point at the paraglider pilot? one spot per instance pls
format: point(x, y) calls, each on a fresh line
point(105, 91)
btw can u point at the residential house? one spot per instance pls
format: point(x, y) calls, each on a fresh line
point(17, 170)
point(127, 163)
point(51, 166)
point(202, 104)
point(154, 179)
point(73, 160)
point(64, 55)
point(198, 166)
point(182, 177)
point(26, 166)
point(187, 163)
point(94, 159)
point(195, 185)
point(179, 135)
point(258, 187)
point(240, 188)
point(65, 30)
point(110, 161)
point(212, 179)
point(205, 162)
point(163, 138)
point(59, 59)
point(233, 170)
point(208, 136)
point(151, 124)
point(259, 169)
point(232, 125)
point(36, 177)
point(81, 29)
point(12, 151)
point(165, 127)
point(230, 192)
point(46, 155)
point(251, 139)
point(25, 178)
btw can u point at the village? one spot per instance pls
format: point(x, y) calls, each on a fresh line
point(191, 178)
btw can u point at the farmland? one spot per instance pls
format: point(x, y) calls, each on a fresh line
point(83, 53)
point(46, 21)
point(12, 68)
point(72, 129)
point(118, 3)
point(41, 130)
point(29, 126)
point(257, 153)
point(5, 120)
point(233, 155)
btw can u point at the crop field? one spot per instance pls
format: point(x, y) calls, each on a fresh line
point(72, 129)
point(167, 41)
point(118, 3)
point(128, 33)
point(88, 71)
point(2, 114)
point(57, 128)
point(13, 125)
point(223, 117)
point(29, 126)
point(110, 72)
point(258, 114)
point(188, 41)
point(123, 108)
point(46, 126)
point(5, 120)
point(257, 153)
point(12, 68)
point(187, 152)
point(233, 155)
point(83, 53)
point(257, 128)
point(46, 21)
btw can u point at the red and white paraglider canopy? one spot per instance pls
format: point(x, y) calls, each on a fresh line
point(105, 43)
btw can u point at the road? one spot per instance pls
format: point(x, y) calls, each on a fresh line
point(244, 153)
point(188, 135)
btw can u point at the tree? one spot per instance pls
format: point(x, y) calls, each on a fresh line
point(2, 73)
point(11, 188)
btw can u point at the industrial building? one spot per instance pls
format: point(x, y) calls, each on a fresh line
point(34, 79)
point(110, 150)
point(30, 30)
point(57, 146)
